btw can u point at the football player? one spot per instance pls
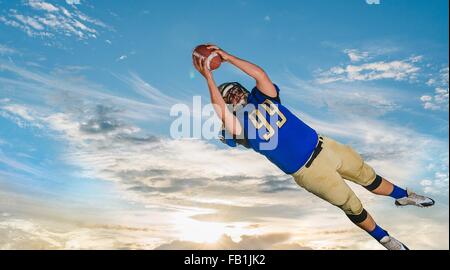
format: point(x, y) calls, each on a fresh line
point(258, 120)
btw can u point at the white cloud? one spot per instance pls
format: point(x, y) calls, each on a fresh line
point(122, 57)
point(426, 182)
point(24, 27)
point(18, 166)
point(416, 58)
point(274, 241)
point(21, 233)
point(5, 50)
point(29, 21)
point(36, 4)
point(345, 100)
point(63, 86)
point(49, 20)
point(437, 185)
point(398, 70)
point(146, 90)
point(20, 115)
point(439, 99)
point(426, 98)
point(438, 182)
point(356, 55)
point(431, 82)
point(19, 110)
point(430, 106)
point(73, 2)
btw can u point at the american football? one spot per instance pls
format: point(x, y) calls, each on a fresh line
point(213, 59)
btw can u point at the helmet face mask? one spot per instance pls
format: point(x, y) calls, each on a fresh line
point(235, 94)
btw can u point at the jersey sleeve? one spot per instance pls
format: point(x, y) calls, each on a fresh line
point(226, 138)
point(231, 141)
point(261, 96)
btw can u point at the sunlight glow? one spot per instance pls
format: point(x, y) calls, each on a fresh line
point(199, 231)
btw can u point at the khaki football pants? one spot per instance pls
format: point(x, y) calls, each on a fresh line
point(325, 177)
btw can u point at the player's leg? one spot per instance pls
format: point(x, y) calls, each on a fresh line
point(353, 168)
point(330, 186)
point(360, 217)
point(322, 179)
point(402, 197)
point(366, 222)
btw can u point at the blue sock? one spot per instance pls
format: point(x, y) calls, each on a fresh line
point(378, 233)
point(398, 193)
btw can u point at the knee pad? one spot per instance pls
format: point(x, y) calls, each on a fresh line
point(375, 184)
point(352, 206)
point(358, 218)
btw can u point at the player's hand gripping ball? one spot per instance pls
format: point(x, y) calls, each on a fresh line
point(213, 59)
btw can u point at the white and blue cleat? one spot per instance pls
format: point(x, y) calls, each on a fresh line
point(414, 199)
point(390, 243)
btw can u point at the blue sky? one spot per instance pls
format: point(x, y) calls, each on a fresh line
point(85, 93)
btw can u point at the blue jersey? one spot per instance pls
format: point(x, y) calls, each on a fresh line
point(273, 131)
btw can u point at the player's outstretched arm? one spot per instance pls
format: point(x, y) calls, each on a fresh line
point(263, 81)
point(230, 121)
